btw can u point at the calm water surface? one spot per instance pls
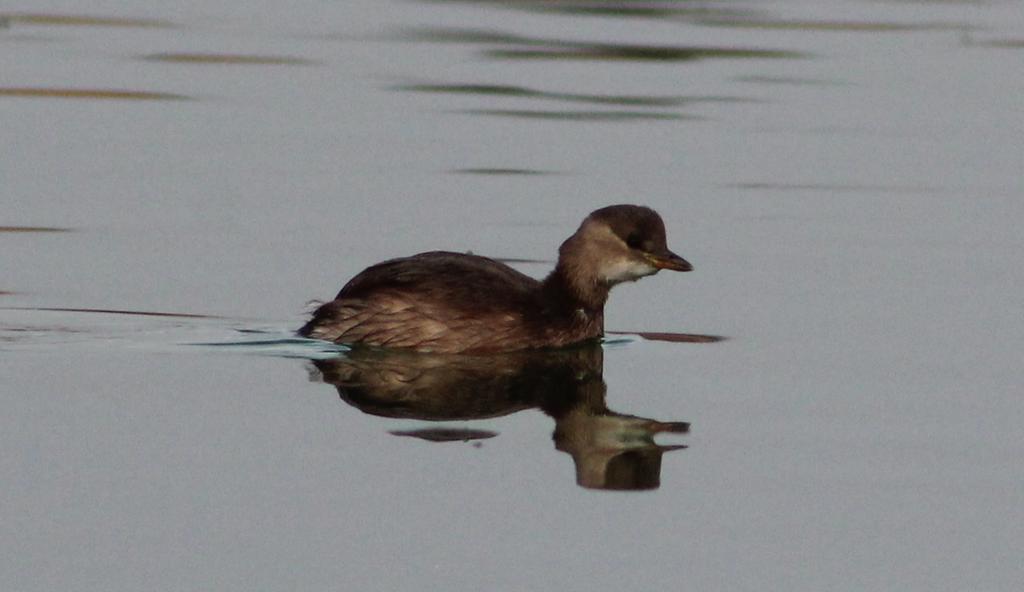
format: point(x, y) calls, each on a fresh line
point(178, 181)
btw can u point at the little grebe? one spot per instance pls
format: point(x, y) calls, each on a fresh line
point(453, 303)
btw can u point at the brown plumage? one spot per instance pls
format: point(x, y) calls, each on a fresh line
point(450, 302)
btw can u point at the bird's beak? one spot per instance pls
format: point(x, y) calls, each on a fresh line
point(668, 260)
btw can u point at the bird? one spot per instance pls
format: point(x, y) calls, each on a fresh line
point(457, 303)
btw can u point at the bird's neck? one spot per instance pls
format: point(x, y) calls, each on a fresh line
point(574, 284)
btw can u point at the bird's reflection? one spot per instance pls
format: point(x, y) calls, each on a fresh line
point(611, 450)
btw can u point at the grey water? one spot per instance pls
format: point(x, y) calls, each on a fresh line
point(830, 401)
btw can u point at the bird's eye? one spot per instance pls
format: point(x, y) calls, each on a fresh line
point(634, 241)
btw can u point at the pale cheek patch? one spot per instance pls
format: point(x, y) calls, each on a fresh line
point(626, 270)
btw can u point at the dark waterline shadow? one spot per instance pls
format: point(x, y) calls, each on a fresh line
point(22, 333)
point(445, 434)
point(705, 14)
point(33, 229)
point(58, 328)
point(229, 59)
point(610, 450)
point(638, 53)
point(593, 116)
point(671, 337)
point(501, 171)
point(113, 311)
point(524, 92)
point(81, 20)
point(832, 26)
point(661, 10)
point(995, 43)
point(82, 93)
point(529, 48)
point(156, 331)
point(787, 80)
